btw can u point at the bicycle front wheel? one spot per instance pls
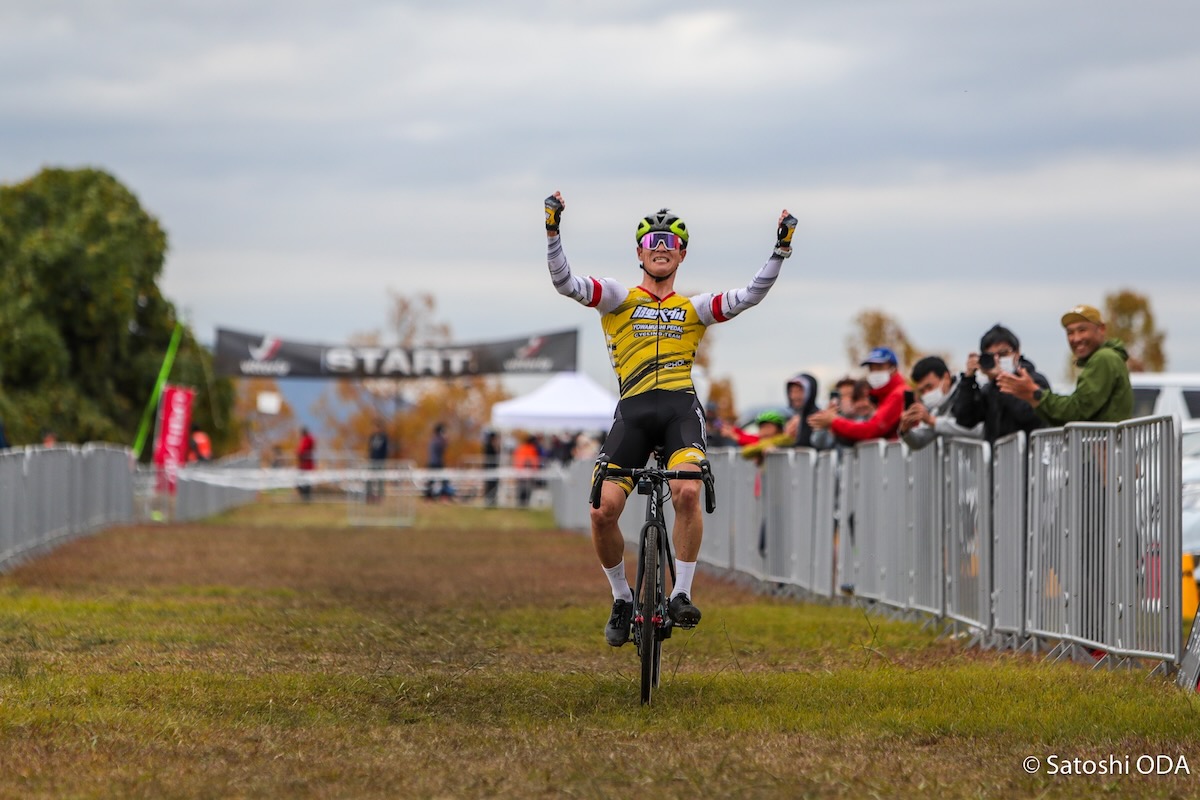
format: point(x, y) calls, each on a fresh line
point(649, 605)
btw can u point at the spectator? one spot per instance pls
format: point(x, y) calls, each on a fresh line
point(1001, 414)
point(1102, 391)
point(802, 401)
point(4, 445)
point(932, 415)
point(1102, 394)
point(49, 438)
point(586, 448)
point(851, 399)
point(887, 388)
point(527, 457)
point(770, 436)
point(377, 454)
point(199, 446)
point(717, 430)
point(437, 461)
point(491, 460)
point(306, 460)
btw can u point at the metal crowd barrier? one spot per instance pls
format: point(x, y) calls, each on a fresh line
point(51, 494)
point(1068, 541)
point(197, 499)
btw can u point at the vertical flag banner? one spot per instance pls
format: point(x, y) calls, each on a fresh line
point(174, 427)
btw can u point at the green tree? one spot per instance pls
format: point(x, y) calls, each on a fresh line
point(85, 325)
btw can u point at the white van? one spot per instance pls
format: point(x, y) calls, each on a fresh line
point(1175, 393)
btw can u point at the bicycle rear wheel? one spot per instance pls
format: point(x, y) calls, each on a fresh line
point(649, 602)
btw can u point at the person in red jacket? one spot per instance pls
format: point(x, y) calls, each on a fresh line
point(887, 390)
point(306, 461)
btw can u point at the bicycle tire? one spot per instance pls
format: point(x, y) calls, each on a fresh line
point(650, 592)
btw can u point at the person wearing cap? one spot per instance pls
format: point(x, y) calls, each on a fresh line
point(887, 390)
point(1102, 390)
point(979, 400)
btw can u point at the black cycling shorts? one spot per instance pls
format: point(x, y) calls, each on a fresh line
point(672, 419)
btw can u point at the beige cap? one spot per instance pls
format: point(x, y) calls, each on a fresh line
point(1082, 314)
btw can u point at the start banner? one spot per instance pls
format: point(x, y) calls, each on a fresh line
point(250, 355)
point(174, 429)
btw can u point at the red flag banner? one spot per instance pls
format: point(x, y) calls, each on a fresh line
point(174, 426)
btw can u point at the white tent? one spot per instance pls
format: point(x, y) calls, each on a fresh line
point(570, 401)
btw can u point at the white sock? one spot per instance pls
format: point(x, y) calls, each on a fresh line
point(684, 570)
point(618, 582)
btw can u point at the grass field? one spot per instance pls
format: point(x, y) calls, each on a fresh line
point(274, 652)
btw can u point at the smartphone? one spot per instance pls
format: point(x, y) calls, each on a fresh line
point(909, 398)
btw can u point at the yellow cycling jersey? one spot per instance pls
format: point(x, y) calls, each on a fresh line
point(652, 342)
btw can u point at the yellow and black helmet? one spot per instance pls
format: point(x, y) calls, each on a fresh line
point(663, 220)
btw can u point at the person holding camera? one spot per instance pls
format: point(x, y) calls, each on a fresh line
point(887, 390)
point(980, 399)
point(1102, 391)
point(931, 414)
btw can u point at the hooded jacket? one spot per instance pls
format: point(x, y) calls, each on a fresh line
point(889, 405)
point(1001, 414)
point(804, 435)
point(1102, 391)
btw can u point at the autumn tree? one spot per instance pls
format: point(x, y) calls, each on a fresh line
point(85, 325)
point(268, 435)
point(875, 328)
point(408, 408)
point(1128, 317)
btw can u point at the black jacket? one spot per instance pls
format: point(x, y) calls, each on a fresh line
point(1001, 414)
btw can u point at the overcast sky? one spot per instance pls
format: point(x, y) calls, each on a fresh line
point(954, 164)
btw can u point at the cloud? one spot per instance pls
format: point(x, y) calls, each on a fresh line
point(949, 163)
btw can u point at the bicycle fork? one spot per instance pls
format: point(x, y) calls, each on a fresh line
point(666, 561)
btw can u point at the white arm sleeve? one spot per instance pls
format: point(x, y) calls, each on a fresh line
point(602, 294)
point(721, 306)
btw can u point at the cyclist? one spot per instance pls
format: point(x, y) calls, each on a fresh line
point(652, 336)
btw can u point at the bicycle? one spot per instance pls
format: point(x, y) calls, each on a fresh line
point(651, 622)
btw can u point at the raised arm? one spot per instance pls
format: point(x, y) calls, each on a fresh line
point(721, 306)
point(603, 294)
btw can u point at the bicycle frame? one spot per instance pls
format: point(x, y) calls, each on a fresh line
point(654, 556)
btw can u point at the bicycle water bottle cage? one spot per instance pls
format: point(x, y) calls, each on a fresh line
point(645, 486)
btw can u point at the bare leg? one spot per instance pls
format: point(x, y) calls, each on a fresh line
point(689, 525)
point(606, 534)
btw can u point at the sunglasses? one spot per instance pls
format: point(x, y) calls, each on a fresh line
point(653, 239)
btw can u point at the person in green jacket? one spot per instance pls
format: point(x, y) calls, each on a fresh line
point(1102, 391)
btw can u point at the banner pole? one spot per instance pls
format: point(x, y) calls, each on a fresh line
point(163, 372)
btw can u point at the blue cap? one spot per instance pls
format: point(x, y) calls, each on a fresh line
point(880, 355)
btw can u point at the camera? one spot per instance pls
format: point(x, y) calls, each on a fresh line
point(987, 361)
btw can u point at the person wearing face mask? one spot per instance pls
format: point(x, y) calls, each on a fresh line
point(979, 399)
point(887, 390)
point(932, 415)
